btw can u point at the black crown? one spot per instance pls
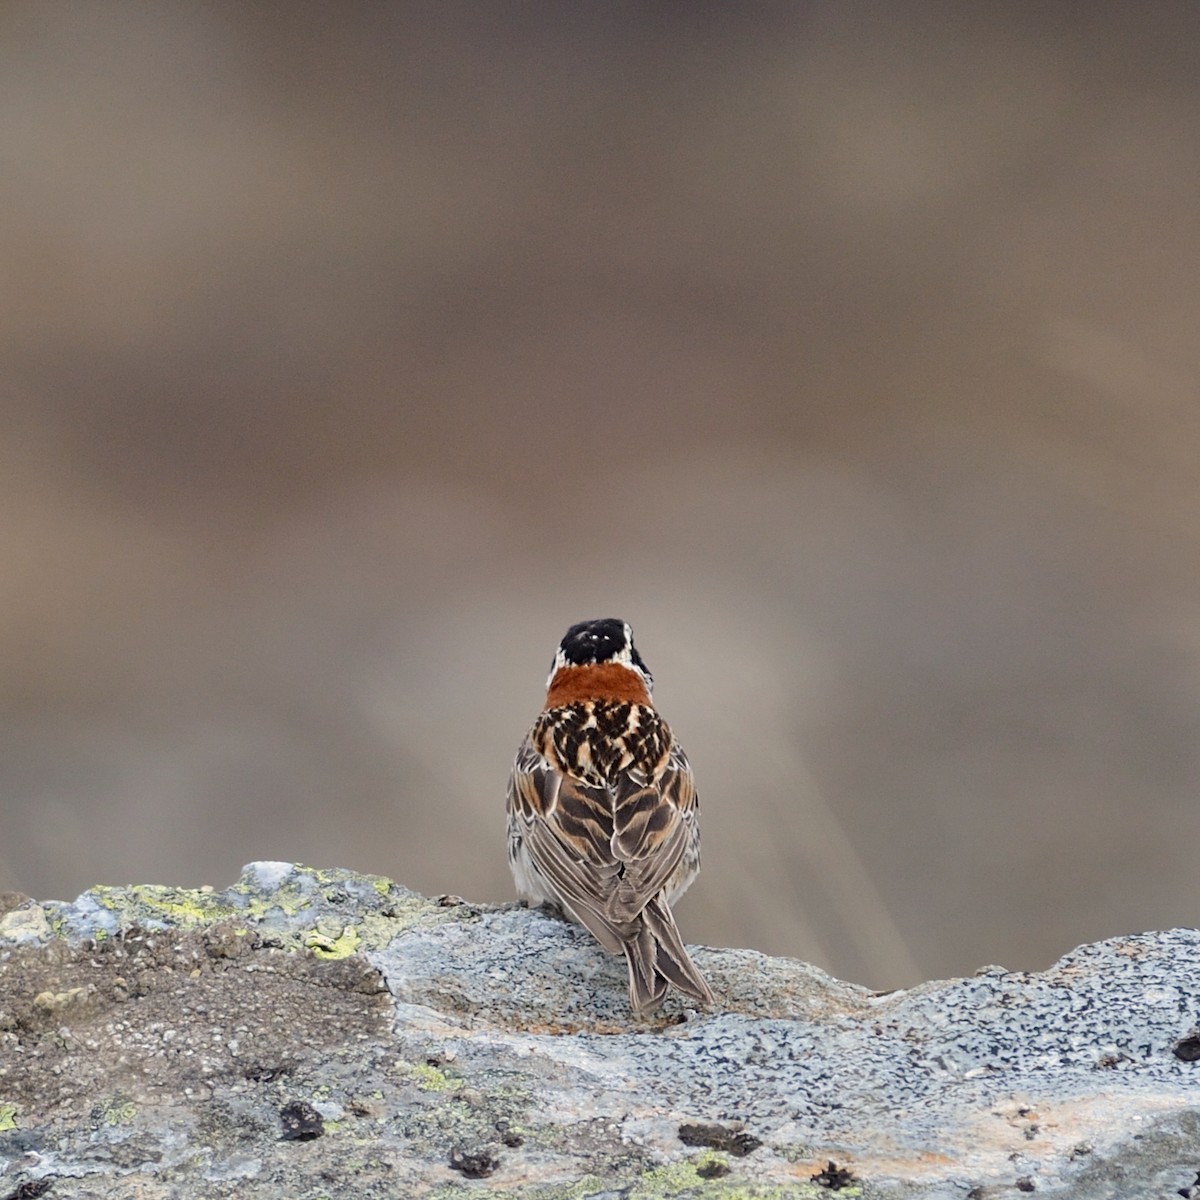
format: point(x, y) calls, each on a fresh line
point(599, 641)
point(593, 641)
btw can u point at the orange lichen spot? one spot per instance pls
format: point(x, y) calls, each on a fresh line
point(596, 681)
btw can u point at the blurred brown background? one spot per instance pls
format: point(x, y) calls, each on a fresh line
point(849, 351)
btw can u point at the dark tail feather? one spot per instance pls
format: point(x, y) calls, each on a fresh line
point(657, 958)
point(673, 959)
point(647, 986)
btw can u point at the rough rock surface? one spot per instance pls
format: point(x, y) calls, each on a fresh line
point(311, 1034)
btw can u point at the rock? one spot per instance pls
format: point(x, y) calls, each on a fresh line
point(312, 1033)
point(301, 1122)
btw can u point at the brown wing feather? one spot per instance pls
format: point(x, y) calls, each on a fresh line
point(653, 830)
point(580, 872)
point(608, 853)
point(533, 787)
point(613, 851)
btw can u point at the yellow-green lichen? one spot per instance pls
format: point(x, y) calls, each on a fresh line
point(369, 910)
point(178, 907)
point(325, 945)
point(119, 1111)
point(683, 1179)
point(795, 1152)
point(428, 1077)
point(589, 1185)
point(8, 1117)
point(332, 880)
point(577, 1189)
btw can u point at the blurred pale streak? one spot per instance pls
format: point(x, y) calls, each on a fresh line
point(1127, 375)
point(804, 819)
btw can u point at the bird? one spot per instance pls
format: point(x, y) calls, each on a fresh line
point(603, 819)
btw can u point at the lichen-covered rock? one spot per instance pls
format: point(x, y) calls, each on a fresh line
point(310, 1034)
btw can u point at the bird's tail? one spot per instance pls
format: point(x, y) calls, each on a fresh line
point(657, 958)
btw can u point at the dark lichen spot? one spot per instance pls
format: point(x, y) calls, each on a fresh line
point(713, 1170)
point(1025, 1184)
point(31, 1189)
point(1188, 1049)
point(261, 1073)
point(474, 1164)
point(719, 1137)
point(301, 1122)
point(509, 1136)
point(834, 1177)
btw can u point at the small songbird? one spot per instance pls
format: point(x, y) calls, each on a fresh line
point(603, 820)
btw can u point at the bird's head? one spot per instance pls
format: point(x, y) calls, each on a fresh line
point(592, 643)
